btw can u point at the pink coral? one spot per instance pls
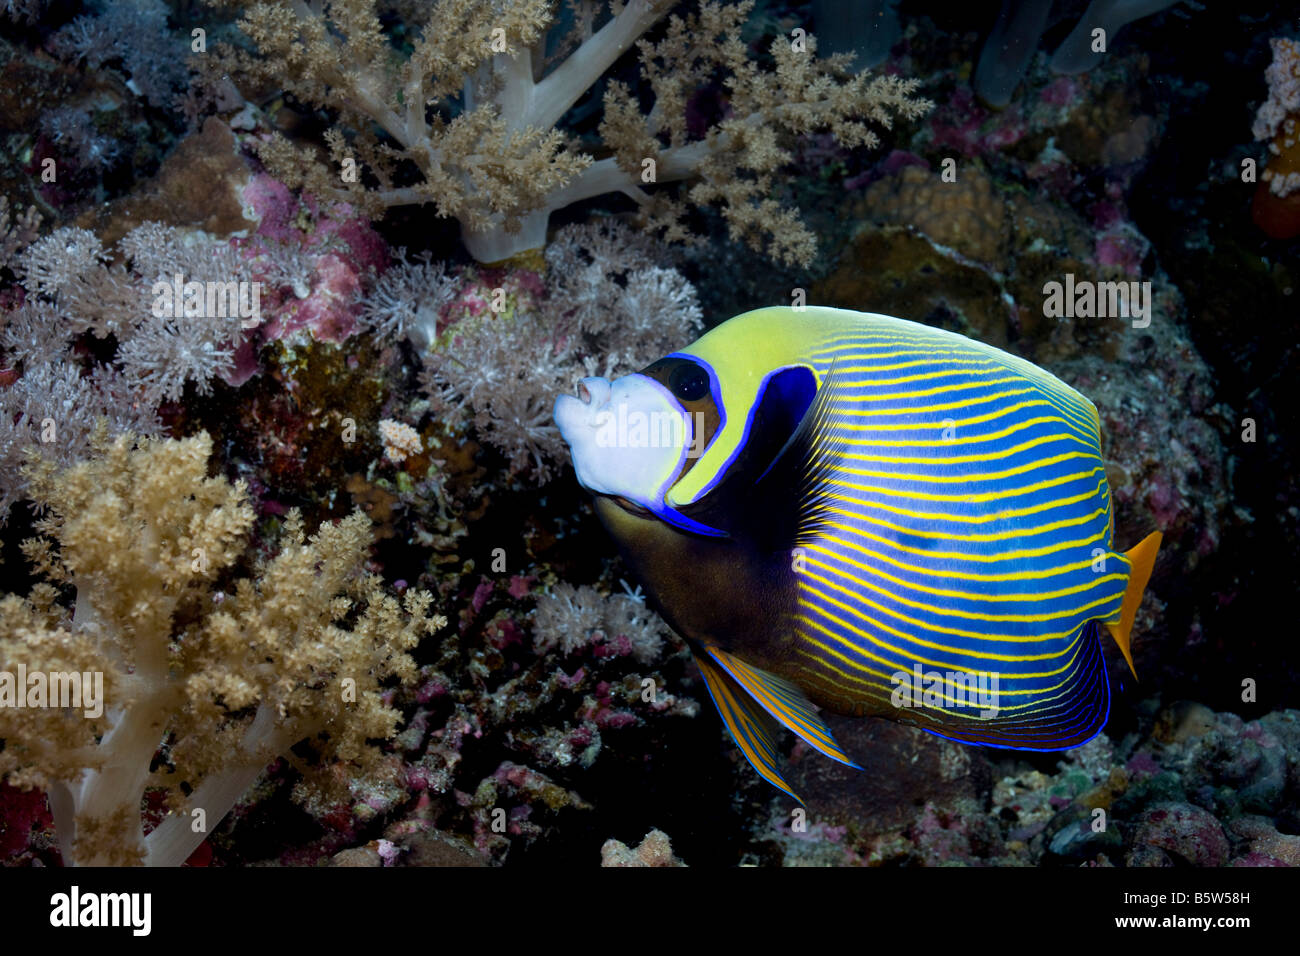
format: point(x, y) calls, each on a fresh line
point(23, 814)
point(313, 258)
point(1121, 249)
point(1062, 91)
point(971, 129)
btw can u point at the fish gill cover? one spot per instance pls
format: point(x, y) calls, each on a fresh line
point(298, 568)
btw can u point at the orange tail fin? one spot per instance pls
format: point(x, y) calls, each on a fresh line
point(1143, 557)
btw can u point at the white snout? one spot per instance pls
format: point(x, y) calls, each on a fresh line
point(628, 438)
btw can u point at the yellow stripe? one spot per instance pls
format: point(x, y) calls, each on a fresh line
point(873, 383)
point(946, 390)
point(1086, 423)
point(741, 736)
point(932, 359)
point(756, 689)
point(974, 575)
point(1040, 465)
point(956, 423)
point(1007, 452)
point(984, 636)
point(812, 734)
point(1072, 649)
point(940, 516)
point(949, 442)
point(1026, 711)
point(971, 498)
point(967, 595)
point(1077, 613)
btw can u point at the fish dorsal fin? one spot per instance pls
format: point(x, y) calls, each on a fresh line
point(784, 702)
point(1143, 558)
point(799, 472)
point(750, 726)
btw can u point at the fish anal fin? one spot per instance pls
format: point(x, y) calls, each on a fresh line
point(751, 727)
point(783, 702)
point(1143, 558)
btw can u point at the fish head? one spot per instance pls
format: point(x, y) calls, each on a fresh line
point(685, 439)
point(633, 438)
point(688, 462)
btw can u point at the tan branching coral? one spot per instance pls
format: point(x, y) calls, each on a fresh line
point(209, 674)
point(500, 163)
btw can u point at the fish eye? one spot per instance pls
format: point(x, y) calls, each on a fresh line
point(688, 382)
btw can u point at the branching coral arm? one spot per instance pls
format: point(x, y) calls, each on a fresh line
point(605, 175)
point(566, 84)
point(361, 91)
point(175, 838)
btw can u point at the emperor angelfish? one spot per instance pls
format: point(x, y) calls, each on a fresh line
point(868, 515)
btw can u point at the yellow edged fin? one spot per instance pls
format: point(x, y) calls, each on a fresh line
point(751, 727)
point(1143, 559)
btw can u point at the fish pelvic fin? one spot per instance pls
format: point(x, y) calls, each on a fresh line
point(784, 702)
point(750, 726)
point(1143, 559)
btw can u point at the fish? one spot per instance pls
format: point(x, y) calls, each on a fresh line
point(850, 513)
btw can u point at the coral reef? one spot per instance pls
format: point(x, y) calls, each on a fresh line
point(199, 186)
point(17, 229)
point(509, 341)
point(72, 291)
point(502, 164)
point(1275, 123)
point(22, 9)
point(135, 33)
point(969, 218)
point(438, 222)
point(592, 669)
point(1194, 787)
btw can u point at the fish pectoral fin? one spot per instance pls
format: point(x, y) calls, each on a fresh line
point(1143, 559)
point(800, 473)
point(784, 702)
point(750, 726)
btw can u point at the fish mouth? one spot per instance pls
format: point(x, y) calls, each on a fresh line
point(631, 507)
